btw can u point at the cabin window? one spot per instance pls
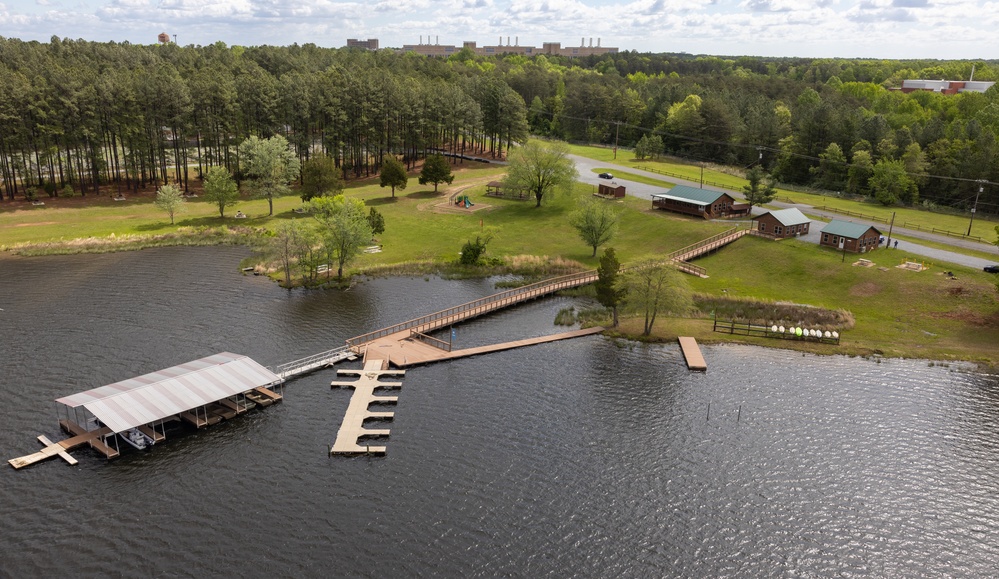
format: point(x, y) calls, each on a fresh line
point(778, 229)
point(763, 226)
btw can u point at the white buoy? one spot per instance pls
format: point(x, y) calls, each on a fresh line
point(781, 329)
point(773, 328)
point(836, 335)
point(827, 334)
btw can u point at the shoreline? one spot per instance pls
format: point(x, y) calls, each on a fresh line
point(227, 235)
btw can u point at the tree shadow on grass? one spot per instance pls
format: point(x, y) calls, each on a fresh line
point(164, 225)
point(382, 201)
point(427, 194)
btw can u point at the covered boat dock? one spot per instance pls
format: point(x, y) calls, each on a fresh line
point(201, 392)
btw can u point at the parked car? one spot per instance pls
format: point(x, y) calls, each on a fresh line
point(606, 176)
point(992, 268)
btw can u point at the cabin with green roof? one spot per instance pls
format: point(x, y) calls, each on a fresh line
point(782, 223)
point(849, 236)
point(699, 202)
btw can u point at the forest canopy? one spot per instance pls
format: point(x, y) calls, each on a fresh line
point(78, 115)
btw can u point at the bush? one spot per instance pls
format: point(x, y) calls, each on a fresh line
point(471, 252)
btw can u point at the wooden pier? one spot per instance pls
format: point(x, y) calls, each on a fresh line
point(352, 428)
point(403, 350)
point(692, 354)
point(80, 437)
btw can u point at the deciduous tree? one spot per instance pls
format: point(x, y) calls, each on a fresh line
point(654, 287)
point(436, 170)
point(343, 226)
point(220, 188)
point(891, 184)
point(393, 174)
point(595, 222)
point(170, 199)
point(320, 176)
point(541, 168)
point(271, 164)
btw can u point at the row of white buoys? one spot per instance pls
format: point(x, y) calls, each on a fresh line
point(803, 332)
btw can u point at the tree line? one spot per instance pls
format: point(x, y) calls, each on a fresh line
point(78, 115)
point(834, 124)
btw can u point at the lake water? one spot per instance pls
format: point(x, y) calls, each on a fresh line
point(583, 458)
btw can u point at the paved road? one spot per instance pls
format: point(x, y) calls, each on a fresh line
point(905, 248)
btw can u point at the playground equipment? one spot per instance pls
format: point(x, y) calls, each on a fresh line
point(463, 201)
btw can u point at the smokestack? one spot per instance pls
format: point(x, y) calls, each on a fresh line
point(598, 42)
point(508, 41)
point(582, 41)
point(437, 40)
point(421, 39)
point(591, 42)
point(516, 42)
point(501, 41)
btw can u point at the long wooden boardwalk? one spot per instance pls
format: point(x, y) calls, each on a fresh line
point(403, 350)
point(380, 339)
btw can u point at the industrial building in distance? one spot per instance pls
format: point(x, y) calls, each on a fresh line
point(945, 86)
point(548, 48)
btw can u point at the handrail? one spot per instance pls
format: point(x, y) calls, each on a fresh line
point(313, 359)
point(694, 246)
point(427, 339)
point(485, 304)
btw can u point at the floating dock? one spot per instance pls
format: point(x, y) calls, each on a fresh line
point(692, 354)
point(352, 428)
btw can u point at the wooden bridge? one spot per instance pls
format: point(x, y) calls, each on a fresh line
point(417, 328)
point(680, 257)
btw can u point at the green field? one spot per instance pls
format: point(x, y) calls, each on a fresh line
point(897, 312)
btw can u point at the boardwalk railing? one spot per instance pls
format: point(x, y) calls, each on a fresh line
point(313, 362)
point(439, 344)
point(706, 245)
point(479, 306)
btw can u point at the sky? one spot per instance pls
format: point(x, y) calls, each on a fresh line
point(890, 29)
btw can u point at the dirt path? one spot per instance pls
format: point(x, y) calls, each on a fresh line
point(445, 202)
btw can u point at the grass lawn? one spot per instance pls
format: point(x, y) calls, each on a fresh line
point(897, 312)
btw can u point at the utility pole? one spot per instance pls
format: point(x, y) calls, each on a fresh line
point(981, 187)
point(702, 175)
point(890, 226)
point(617, 132)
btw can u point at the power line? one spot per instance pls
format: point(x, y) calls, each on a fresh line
point(762, 148)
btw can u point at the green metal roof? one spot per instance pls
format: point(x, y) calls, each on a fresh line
point(848, 229)
point(788, 217)
point(700, 196)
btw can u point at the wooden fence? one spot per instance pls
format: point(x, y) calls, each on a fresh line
point(747, 329)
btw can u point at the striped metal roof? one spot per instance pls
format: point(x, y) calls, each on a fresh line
point(847, 229)
point(788, 217)
point(158, 395)
point(694, 195)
